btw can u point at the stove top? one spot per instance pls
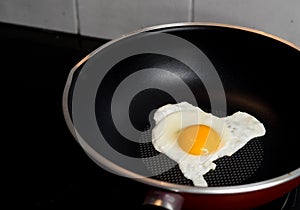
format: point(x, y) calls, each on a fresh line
point(45, 168)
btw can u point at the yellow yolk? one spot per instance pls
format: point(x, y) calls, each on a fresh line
point(199, 140)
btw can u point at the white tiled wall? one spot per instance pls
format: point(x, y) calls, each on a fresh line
point(57, 15)
point(112, 18)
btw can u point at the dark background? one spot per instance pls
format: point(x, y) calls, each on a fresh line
point(43, 167)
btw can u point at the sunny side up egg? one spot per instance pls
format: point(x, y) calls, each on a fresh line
point(194, 138)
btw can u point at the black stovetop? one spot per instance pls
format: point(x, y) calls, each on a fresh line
point(44, 167)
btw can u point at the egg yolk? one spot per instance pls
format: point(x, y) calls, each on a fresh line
point(199, 140)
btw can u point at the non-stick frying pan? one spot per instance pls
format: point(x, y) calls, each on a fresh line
point(111, 94)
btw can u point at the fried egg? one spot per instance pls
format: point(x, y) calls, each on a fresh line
point(194, 138)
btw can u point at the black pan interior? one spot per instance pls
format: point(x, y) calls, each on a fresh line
point(259, 77)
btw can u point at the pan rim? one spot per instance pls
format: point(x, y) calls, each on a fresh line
point(182, 24)
point(99, 159)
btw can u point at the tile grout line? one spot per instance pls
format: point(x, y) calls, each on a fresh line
point(192, 11)
point(77, 17)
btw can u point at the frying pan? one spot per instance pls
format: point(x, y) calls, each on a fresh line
point(111, 94)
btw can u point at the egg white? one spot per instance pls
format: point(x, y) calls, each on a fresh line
point(235, 131)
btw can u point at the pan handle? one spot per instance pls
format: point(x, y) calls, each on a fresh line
point(158, 199)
